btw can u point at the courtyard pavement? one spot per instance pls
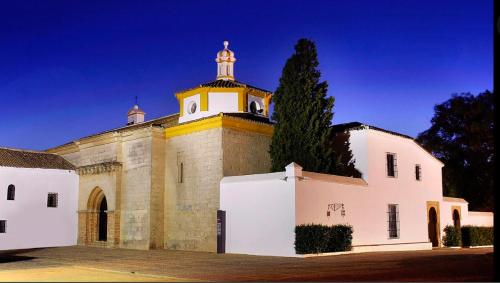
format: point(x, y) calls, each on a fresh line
point(79, 263)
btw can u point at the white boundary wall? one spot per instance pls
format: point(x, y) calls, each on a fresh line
point(260, 214)
point(30, 223)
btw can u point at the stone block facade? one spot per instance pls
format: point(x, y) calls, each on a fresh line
point(193, 173)
point(161, 192)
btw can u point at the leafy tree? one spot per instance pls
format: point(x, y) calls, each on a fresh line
point(461, 135)
point(303, 113)
point(344, 162)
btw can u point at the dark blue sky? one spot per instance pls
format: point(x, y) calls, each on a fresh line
point(72, 68)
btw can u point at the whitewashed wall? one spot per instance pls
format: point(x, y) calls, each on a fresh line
point(222, 102)
point(476, 218)
point(30, 223)
point(260, 214)
point(226, 102)
point(365, 209)
point(186, 116)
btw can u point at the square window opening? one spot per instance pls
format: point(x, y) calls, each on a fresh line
point(52, 200)
point(3, 226)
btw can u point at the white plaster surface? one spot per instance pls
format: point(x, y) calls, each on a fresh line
point(226, 102)
point(191, 116)
point(260, 214)
point(30, 223)
point(222, 102)
point(249, 199)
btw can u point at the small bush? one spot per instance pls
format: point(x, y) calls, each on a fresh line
point(340, 238)
point(477, 236)
point(452, 236)
point(315, 238)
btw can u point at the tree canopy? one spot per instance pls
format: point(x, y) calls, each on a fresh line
point(461, 136)
point(303, 115)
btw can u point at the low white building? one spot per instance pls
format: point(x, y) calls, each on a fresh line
point(397, 204)
point(38, 200)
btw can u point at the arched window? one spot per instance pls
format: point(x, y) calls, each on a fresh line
point(11, 192)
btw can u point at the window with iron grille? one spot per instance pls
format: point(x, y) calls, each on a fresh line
point(392, 170)
point(3, 226)
point(11, 192)
point(418, 173)
point(393, 221)
point(52, 200)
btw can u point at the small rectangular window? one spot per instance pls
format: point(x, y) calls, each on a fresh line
point(181, 172)
point(11, 192)
point(52, 200)
point(391, 165)
point(393, 221)
point(180, 167)
point(3, 226)
point(418, 174)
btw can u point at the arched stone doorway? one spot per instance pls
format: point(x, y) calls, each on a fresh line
point(97, 218)
point(433, 227)
point(456, 218)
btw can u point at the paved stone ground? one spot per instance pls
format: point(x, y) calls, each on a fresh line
point(163, 265)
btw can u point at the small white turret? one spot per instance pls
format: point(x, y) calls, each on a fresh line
point(225, 63)
point(135, 115)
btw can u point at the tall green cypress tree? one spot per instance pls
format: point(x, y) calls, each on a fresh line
point(303, 114)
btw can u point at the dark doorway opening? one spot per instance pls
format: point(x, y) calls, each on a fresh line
point(456, 219)
point(433, 227)
point(103, 220)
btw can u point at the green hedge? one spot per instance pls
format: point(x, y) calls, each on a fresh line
point(477, 236)
point(452, 236)
point(315, 238)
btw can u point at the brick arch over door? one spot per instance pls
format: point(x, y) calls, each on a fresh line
point(90, 222)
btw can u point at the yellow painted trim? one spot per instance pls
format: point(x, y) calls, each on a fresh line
point(435, 204)
point(267, 102)
point(242, 101)
point(217, 122)
point(181, 106)
point(204, 101)
point(195, 91)
point(226, 77)
point(192, 127)
point(227, 89)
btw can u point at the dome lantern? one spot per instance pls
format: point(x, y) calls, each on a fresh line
point(225, 63)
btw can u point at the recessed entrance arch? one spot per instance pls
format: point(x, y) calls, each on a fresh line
point(97, 216)
point(456, 218)
point(433, 227)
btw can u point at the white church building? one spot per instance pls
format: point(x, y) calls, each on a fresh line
point(398, 204)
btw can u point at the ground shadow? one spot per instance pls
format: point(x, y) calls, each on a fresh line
point(14, 258)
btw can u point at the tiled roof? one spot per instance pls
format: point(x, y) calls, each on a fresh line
point(32, 159)
point(250, 116)
point(227, 83)
point(165, 121)
point(358, 125)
